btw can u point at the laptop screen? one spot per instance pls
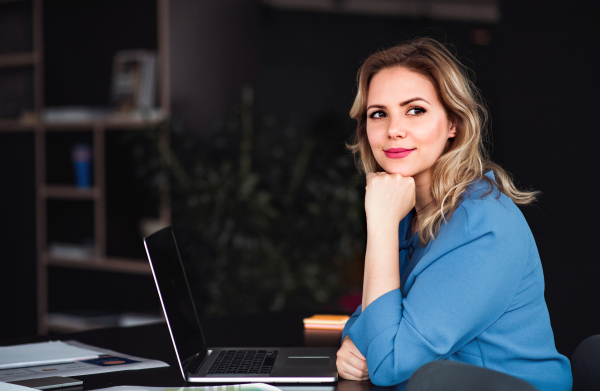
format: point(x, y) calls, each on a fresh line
point(175, 294)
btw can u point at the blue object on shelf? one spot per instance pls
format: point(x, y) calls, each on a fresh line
point(82, 163)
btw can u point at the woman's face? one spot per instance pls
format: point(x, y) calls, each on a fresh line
point(407, 126)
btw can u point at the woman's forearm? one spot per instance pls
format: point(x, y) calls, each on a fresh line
point(388, 199)
point(382, 269)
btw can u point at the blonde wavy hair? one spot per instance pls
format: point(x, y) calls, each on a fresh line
point(466, 160)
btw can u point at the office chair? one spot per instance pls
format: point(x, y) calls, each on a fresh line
point(455, 376)
point(585, 364)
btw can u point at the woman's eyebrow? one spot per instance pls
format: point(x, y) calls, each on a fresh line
point(376, 106)
point(412, 100)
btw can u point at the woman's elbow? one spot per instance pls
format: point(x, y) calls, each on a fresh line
point(388, 375)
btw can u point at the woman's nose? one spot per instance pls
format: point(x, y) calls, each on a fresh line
point(396, 128)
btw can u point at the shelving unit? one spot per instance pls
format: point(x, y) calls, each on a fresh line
point(18, 60)
point(16, 126)
point(46, 192)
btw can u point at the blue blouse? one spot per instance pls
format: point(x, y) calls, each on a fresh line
point(475, 294)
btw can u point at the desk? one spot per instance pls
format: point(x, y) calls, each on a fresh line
point(153, 341)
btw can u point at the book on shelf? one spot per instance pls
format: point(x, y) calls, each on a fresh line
point(134, 80)
point(76, 252)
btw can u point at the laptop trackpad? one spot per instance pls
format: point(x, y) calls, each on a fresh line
point(307, 361)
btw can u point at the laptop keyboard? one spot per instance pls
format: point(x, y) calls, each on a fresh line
point(244, 361)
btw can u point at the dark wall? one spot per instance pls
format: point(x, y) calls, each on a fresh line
point(309, 60)
point(213, 54)
point(546, 133)
point(17, 235)
point(80, 39)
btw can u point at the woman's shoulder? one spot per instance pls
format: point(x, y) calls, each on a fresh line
point(484, 209)
point(484, 188)
point(490, 227)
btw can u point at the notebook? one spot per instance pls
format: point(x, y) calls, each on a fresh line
point(202, 364)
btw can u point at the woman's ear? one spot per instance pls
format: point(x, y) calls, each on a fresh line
point(452, 129)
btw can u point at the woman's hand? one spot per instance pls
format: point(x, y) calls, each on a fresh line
point(389, 198)
point(351, 364)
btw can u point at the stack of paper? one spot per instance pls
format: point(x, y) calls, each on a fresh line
point(326, 322)
point(13, 387)
point(107, 361)
point(42, 353)
point(228, 387)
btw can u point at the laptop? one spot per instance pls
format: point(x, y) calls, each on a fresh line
point(201, 364)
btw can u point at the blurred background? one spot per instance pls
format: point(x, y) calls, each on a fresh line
point(228, 120)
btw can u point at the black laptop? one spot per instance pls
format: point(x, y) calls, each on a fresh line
point(199, 363)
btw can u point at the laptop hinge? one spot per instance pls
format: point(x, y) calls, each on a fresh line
point(193, 364)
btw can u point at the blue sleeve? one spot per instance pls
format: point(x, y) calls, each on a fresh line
point(465, 282)
point(351, 321)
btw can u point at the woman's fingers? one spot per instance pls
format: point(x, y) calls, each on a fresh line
point(389, 197)
point(350, 362)
point(372, 175)
point(353, 350)
point(347, 371)
point(349, 376)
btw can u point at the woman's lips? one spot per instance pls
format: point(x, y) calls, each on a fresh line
point(397, 153)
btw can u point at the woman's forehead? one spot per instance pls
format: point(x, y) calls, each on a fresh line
point(399, 84)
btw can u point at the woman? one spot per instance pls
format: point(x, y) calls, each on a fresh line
point(469, 286)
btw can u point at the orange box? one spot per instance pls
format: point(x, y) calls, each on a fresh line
point(323, 326)
point(327, 322)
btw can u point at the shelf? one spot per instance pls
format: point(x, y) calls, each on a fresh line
point(15, 125)
point(59, 328)
point(69, 323)
point(116, 122)
point(17, 60)
point(69, 192)
point(112, 264)
point(59, 325)
point(109, 122)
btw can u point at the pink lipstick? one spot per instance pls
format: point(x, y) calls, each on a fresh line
point(397, 153)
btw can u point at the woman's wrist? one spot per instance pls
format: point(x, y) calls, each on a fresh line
point(382, 273)
point(382, 225)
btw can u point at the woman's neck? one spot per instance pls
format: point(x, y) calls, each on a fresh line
point(422, 190)
point(422, 197)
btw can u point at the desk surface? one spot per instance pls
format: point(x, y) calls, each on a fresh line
point(153, 341)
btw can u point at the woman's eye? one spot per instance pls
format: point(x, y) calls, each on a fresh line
point(377, 114)
point(416, 111)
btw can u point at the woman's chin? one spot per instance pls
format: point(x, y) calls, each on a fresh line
point(404, 173)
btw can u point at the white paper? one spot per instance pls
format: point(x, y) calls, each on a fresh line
point(78, 367)
point(235, 387)
point(42, 353)
point(230, 387)
point(13, 387)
